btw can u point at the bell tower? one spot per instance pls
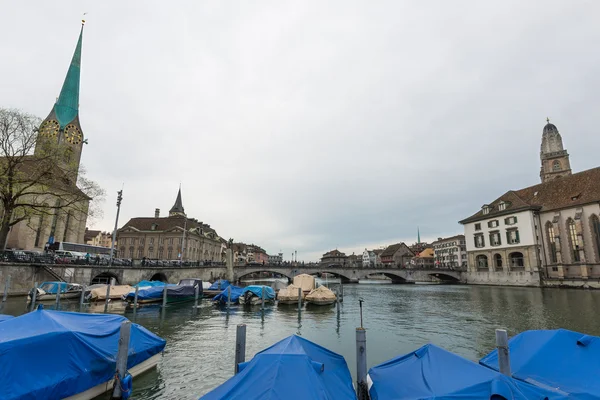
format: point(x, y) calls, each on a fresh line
point(61, 127)
point(554, 158)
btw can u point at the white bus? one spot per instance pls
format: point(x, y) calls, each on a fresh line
point(81, 248)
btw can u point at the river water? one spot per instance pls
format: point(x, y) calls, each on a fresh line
point(399, 318)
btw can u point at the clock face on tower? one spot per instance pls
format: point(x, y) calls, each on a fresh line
point(73, 134)
point(49, 128)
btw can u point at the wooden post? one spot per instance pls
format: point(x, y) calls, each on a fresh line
point(262, 299)
point(361, 363)
point(107, 297)
point(240, 345)
point(164, 303)
point(135, 298)
point(503, 354)
point(299, 302)
point(228, 296)
point(58, 285)
point(341, 290)
point(34, 296)
point(81, 297)
point(122, 354)
point(6, 286)
point(196, 295)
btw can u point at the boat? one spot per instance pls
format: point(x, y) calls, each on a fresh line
point(292, 369)
point(321, 296)
point(48, 290)
point(116, 292)
point(558, 358)
point(216, 288)
point(306, 282)
point(252, 295)
point(236, 292)
point(184, 291)
point(431, 372)
point(4, 317)
point(289, 295)
point(79, 352)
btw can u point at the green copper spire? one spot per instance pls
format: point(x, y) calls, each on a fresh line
point(67, 105)
point(418, 235)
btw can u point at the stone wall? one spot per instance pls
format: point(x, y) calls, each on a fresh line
point(503, 278)
point(23, 277)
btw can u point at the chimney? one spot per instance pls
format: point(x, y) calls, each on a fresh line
point(157, 213)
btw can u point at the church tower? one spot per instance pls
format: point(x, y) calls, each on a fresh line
point(177, 209)
point(61, 127)
point(555, 159)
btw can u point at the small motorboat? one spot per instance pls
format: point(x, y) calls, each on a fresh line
point(185, 290)
point(289, 295)
point(321, 296)
point(306, 282)
point(217, 287)
point(48, 291)
point(234, 297)
point(83, 349)
point(116, 292)
point(252, 295)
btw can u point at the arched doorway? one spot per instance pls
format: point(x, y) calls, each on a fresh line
point(498, 261)
point(481, 261)
point(104, 278)
point(159, 276)
point(516, 260)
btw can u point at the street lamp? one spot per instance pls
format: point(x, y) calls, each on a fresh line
point(114, 235)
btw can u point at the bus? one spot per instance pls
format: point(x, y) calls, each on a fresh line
point(81, 248)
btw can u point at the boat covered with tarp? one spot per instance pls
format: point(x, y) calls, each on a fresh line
point(57, 354)
point(561, 359)
point(175, 294)
point(289, 295)
point(236, 292)
point(305, 281)
point(321, 296)
point(219, 284)
point(434, 373)
point(253, 294)
point(116, 292)
point(4, 317)
point(144, 284)
point(292, 369)
point(49, 290)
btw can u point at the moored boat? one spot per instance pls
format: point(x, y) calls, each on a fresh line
point(217, 287)
point(321, 296)
point(82, 347)
point(306, 282)
point(4, 317)
point(48, 291)
point(116, 292)
point(184, 291)
point(234, 297)
point(289, 295)
point(252, 295)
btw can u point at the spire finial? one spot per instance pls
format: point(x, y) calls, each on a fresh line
point(547, 120)
point(83, 20)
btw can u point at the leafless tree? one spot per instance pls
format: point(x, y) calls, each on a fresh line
point(37, 178)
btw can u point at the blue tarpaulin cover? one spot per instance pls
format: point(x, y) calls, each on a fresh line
point(54, 354)
point(562, 359)
point(236, 292)
point(156, 292)
point(4, 317)
point(222, 282)
point(257, 290)
point(292, 369)
point(52, 287)
point(434, 373)
point(149, 283)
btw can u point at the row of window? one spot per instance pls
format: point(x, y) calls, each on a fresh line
point(512, 237)
point(575, 244)
point(495, 223)
point(515, 260)
point(501, 207)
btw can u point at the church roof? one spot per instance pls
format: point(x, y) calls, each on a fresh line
point(565, 192)
point(178, 206)
point(550, 128)
point(166, 224)
point(67, 105)
point(392, 249)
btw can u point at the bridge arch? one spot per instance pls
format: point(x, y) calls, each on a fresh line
point(343, 278)
point(396, 278)
point(446, 278)
point(104, 277)
point(242, 274)
point(160, 276)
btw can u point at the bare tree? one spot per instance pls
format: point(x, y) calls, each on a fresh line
point(38, 177)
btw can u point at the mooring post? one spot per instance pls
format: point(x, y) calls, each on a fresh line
point(107, 297)
point(82, 297)
point(361, 363)
point(240, 346)
point(219, 284)
point(196, 295)
point(262, 299)
point(228, 296)
point(58, 287)
point(6, 286)
point(34, 296)
point(503, 354)
point(341, 290)
point(122, 354)
point(135, 298)
point(299, 302)
point(164, 303)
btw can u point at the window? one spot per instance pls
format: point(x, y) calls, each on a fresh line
point(485, 209)
point(516, 260)
point(140, 252)
point(131, 252)
point(151, 240)
point(495, 238)
point(498, 261)
point(171, 241)
point(142, 241)
point(503, 204)
point(170, 254)
point(150, 253)
point(493, 223)
point(595, 222)
point(161, 241)
point(551, 242)
point(573, 240)
point(477, 227)
point(510, 220)
point(556, 165)
point(481, 261)
point(512, 236)
point(479, 241)
point(38, 233)
point(67, 222)
point(132, 241)
point(160, 253)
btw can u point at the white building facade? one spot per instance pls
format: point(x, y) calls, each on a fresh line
point(450, 252)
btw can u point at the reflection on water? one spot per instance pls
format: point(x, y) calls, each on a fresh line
point(399, 318)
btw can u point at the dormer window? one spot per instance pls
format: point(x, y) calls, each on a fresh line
point(486, 209)
point(503, 205)
point(153, 227)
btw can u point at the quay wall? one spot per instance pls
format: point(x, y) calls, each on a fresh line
point(504, 278)
point(23, 278)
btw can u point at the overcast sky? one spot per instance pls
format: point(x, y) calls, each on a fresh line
point(316, 124)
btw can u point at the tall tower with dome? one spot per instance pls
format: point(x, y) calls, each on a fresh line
point(554, 158)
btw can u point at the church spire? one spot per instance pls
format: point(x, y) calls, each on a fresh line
point(177, 209)
point(67, 104)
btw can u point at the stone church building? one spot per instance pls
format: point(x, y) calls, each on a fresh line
point(62, 130)
point(547, 233)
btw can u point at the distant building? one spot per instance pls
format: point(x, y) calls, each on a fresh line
point(256, 254)
point(333, 258)
point(450, 252)
point(175, 237)
point(276, 259)
point(375, 257)
point(366, 259)
point(396, 255)
point(98, 238)
point(354, 260)
point(425, 259)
